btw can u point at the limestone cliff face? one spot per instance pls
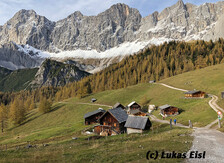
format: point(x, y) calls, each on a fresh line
point(119, 24)
point(101, 32)
point(183, 22)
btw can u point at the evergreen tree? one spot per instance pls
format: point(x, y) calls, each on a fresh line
point(3, 116)
point(17, 111)
point(45, 105)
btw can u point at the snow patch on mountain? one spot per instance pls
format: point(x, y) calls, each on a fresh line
point(124, 49)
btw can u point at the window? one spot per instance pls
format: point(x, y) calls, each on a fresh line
point(115, 124)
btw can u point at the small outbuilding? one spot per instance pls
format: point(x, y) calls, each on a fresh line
point(93, 100)
point(136, 124)
point(222, 95)
point(112, 122)
point(195, 94)
point(152, 81)
point(117, 105)
point(133, 106)
point(93, 117)
point(167, 110)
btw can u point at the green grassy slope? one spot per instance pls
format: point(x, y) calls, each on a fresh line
point(210, 80)
point(4, 72)
point(66, 121)
point(17, 80)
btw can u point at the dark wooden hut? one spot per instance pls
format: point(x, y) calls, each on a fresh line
point(167, 110)
point(92, 117)
point(195, 94)
point(133, 106)
point(112, 122)
point(117, 105)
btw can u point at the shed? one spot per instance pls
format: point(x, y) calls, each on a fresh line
point(93, 100)
point(167, 110)
point(117, 105)
point(135, 124)
point(222, 95)
point(194, 94)
point(115, 118)
point(152, 81)
point(92, 117)
point(133, 106)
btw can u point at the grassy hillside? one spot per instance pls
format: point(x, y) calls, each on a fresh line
point(17, 80)
point(210, 80)
point(66, 121)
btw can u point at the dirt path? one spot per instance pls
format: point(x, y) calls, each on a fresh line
point(82, 103)
point(211, 141)
point(168, 86)
point(153, 118)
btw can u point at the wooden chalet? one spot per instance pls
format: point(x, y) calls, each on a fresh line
point(117, 105)
point(112, 122)
point(195, 94)
point(167, 110)
point(133, 106)
point(93, 117)
point(135, 124)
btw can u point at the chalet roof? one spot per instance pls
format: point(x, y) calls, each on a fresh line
point(192, 92)
point(136, 122)
point(94, 112)
point(132, 103)
point(119, 114)
point(134, 111)
point(117, 105)
point(164, 107)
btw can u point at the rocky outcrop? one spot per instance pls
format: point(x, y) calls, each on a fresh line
point(53, 73)
point(12, 58)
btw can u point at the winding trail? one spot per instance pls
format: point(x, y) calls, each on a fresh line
point(206, 139)
point(82, 103)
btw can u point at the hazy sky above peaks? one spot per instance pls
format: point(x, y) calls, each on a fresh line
point(58, 9)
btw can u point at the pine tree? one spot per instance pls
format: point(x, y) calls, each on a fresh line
point(32, 105)
point(17, 111)
point(45, 105)
point(3, 116)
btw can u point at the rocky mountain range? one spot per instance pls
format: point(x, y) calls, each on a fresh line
point(28, 38)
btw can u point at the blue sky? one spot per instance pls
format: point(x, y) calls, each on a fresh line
point(59, 9)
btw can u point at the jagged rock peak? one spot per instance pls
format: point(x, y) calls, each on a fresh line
point(27, 13)
point(76, 15)
point(122, 8)
point(180, 4)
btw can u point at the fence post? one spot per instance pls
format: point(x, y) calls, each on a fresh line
point(190, 124)
point(171, 123)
